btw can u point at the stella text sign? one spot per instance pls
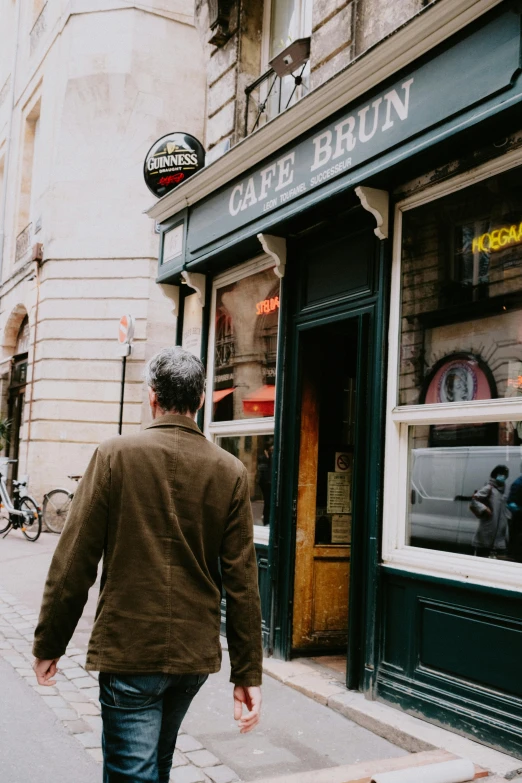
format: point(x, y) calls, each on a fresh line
point(452, 81)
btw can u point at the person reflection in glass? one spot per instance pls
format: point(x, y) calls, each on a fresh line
point(264, 478)
point(514, 504)
point(489, 506)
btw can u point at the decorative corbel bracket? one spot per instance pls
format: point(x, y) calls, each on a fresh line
point(378, 203)
point(171, 293)
point(276, 248)
point(198, 282)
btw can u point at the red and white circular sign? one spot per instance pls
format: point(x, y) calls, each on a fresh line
point(126, 329)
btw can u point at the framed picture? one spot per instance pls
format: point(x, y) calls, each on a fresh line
point(460, 377)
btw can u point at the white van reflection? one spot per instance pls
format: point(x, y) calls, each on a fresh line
point(443, 481)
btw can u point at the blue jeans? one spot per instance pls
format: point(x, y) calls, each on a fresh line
point(141, 716)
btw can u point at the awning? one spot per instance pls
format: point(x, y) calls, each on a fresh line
point(221, 393)
point(261, 401)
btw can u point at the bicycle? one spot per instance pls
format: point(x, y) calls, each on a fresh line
point(56, 505)
point(22, 511)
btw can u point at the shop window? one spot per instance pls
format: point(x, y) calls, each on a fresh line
point(246, 323)
point(466, 499)
point(453, 478)
point(462, 295)
point(242, 375)
point(255, 452)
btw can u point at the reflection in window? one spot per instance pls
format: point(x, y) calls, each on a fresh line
point(247, 315)
point(462, 295)
point(466, 499)
point(255, 452)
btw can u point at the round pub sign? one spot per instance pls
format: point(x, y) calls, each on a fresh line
point(171, 160)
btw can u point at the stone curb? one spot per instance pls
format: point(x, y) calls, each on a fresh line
point(74, 699)
point(400, 728)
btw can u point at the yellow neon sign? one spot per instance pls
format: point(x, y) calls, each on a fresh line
point(497, 239)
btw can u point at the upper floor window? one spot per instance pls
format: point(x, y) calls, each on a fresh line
point(285, 23)
point(289, 20)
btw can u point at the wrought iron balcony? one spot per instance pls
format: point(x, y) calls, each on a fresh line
point(283, 84)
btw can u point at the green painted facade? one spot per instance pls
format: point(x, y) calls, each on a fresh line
point(443, 650)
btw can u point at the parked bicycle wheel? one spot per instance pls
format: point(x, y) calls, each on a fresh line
point(32, 526)
point(4, 520)
point(55, 508)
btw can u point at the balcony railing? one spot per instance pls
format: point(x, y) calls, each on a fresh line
point(270, 95)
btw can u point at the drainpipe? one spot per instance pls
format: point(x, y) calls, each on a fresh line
point(33, 361)
point(9, 139)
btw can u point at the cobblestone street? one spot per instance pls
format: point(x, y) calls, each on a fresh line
point(296, 733)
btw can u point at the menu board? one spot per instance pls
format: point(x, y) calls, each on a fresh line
point(341, 528)
point(339, 493)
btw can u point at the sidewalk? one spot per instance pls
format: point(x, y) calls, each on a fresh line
point(412, 734)
point(310, 721)
point(297, 734)
point(33, 747)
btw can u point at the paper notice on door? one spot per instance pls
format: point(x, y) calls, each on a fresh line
point(339, 493)
point(341, 528)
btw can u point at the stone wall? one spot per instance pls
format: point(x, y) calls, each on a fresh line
point(108, 82)
point(341, 30)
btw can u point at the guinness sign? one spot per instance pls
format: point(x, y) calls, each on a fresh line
point(171, 160)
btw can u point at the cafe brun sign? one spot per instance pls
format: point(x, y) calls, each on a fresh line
point(366, 137)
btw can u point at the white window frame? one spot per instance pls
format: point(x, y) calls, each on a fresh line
point(239, 427)
point(395, 552)
point(267, 29)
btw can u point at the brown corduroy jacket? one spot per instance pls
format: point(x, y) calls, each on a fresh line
point(170, 514)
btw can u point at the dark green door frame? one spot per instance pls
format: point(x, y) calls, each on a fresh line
point(369, 311)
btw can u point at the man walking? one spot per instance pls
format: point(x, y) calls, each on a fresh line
point(170, 514)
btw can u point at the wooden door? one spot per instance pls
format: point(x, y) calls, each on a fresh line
point(323, 537)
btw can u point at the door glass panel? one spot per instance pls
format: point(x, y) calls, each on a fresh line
point(466, 498)
point(331, 355)
point(247, 320)
point(255, 452)
point(324, 500)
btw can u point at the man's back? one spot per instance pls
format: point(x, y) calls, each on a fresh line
point(170, 514)
point(169, 509)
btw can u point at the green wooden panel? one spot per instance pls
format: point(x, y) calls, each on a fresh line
point(338, 267)
point(451, 654)
point(483, 648)
point(396, 641)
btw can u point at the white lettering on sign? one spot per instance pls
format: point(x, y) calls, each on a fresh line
point(286, 174)
point(323, 149)
point(329, 145)
point(344, 138)
point(235, 204)
point(266, 180)
point(401, 107)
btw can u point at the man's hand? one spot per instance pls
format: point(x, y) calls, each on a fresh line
point(251, 698)
point(44, 670)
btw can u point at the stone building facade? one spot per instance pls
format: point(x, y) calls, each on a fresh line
point(241, 37)
point(85, 89)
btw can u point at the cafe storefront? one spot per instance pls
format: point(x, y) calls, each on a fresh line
point(356, 296)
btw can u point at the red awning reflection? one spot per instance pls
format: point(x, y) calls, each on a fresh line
point(221, 393)
point(261, 401)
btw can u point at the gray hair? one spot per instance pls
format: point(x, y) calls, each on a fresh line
point(178, 379)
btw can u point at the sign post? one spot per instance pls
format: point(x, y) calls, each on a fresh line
point(125, 335)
